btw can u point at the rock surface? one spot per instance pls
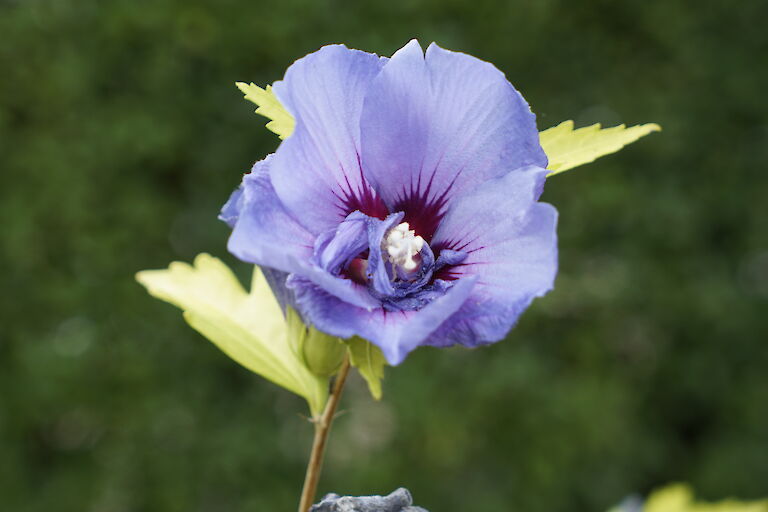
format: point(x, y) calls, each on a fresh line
point(398, 501)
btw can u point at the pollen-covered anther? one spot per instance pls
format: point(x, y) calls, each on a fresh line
point(402, 247)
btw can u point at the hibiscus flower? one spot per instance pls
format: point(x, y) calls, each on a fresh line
point(404, 207)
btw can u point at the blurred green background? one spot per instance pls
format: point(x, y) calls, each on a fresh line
point(121, 134)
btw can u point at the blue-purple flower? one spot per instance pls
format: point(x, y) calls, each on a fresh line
point(404, 207)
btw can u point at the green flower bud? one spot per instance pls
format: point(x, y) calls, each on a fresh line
point(321, 353)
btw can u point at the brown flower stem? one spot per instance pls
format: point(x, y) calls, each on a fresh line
point(322, 429)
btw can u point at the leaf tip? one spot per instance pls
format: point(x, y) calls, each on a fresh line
point(144, 278)
point(140, 276)
point(243, 86)
point(203, 259)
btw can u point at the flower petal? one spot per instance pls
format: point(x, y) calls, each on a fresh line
point(276, 281)
point(336, 248)
point(324, 91)
point(396, 333)
point(266, 234)
point(513, 256)
point(381, 281)
point(231, 210)
point(435, 126)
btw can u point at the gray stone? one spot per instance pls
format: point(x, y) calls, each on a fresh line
point(398, 501)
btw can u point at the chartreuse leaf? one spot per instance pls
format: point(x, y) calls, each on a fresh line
point(679, 498)
point(281, 121)
point(567, 148)
point(369, 361)
point(247, 326)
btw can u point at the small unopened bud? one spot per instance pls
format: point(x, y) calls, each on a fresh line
point(321, 353)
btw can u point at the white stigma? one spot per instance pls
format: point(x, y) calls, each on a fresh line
point(402, 246)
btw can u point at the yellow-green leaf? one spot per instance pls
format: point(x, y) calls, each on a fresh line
point(679, 498)
point(281, 121)
point(248, 327)
point(369, 361)
point(567, 148)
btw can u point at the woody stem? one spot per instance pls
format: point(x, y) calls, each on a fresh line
point(322, 429)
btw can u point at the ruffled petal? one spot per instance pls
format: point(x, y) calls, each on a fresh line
point(435, 126)
point(378, 269)
point(266, 234)
point(263, 232)
point(316, 171)
point(231, 209)
point(336, 248)
point(513, 255)
point(396, 333)
point(346, 290)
